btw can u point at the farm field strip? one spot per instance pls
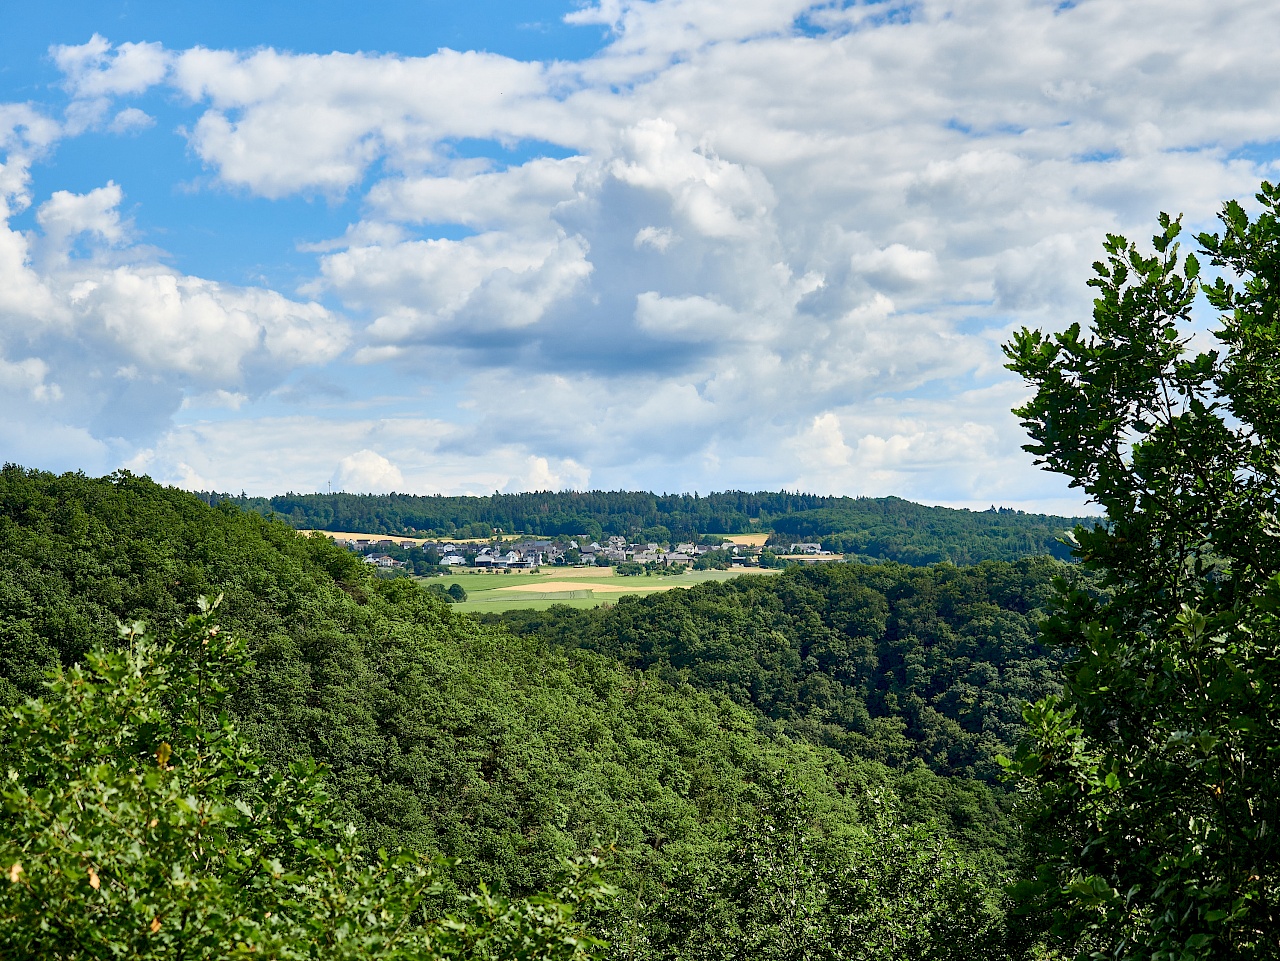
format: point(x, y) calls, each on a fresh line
point(579, 587)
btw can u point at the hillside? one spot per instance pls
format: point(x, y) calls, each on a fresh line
point(458, 738)
point(886, 662)
point(876, 528)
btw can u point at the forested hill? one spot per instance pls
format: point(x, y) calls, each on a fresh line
point(696, 765)
point(888, 662)
point(879, 528)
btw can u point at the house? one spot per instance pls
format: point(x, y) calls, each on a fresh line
point(618, 543)
point(452, 560)
point(383, 560)
point(807, 549)
point(677, 557)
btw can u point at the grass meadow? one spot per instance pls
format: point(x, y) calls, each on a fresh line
point(576, 587)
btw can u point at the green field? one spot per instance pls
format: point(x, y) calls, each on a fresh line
point(575, 587)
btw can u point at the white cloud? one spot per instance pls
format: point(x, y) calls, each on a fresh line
point(28, 377)
point(367, 472)
point(658, 238)
point(420, 290)
point(419, 455)
point(121, 338)
point(212, 334)
point(897, 266)
point(26, 134)
point(131, 120)
point(96, 69)
point(523, 196)
point(280, 123)
point(65, 215)
point(822, 446)
point(540, 475)
point(95, 72)
point(689, 318)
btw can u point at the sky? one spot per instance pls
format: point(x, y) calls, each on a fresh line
point(669, 245)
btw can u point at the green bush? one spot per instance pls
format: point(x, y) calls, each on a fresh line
point(139, 823)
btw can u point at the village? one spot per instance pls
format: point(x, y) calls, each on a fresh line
point(526, 554)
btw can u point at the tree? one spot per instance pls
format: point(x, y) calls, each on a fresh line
point(1153, 786)
point(138, 823)
point(786, 892)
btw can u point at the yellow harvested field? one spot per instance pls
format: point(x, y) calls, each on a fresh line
point(746, 540)
point(552, 587)
point(354, 536)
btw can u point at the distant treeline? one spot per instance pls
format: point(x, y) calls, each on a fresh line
point(879, 528)
point(889, 528)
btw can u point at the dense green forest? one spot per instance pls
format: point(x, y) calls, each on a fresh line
point(509, 753)
point(888, 662)
point(889, 528)
point(878, 528)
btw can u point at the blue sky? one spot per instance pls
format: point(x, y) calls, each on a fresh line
point(663, 244)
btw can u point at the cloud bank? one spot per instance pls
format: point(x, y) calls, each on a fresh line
point(745, 245)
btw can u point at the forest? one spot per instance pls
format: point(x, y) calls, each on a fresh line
point(507, 753)
point(225, 738)
point(874, 528)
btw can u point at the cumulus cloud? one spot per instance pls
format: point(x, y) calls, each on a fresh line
point(541, 475)
point(28, 377)
point(131, 120)
point(423, 290)
point(367, 472)
point(97, 69)
point(210, 333)
point(66, 215)
point(95, 72)
point(260, 455)
point(118, 339)
point(522, 197)
point(280, 123)
point(689, 318)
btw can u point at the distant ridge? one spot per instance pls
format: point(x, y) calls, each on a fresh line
point(869, 528)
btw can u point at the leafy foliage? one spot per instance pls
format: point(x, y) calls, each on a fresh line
point(891, 663)
point(785, 891)
point(1154, 794)
point(889, 528)
point(139, 823)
